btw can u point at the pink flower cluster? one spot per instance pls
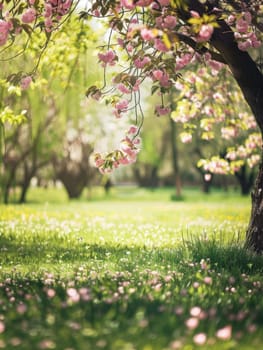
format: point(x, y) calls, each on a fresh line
point(54, 10)
point(107, 58)
point(5, 27)
point(121, 107)
point(131, 4)
point(29, 15)
point(162, 77)
point(166, 22)
point(205, 33)
point(244, 33)
point(127, 153)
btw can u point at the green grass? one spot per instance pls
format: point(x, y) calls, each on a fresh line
point(133, 271)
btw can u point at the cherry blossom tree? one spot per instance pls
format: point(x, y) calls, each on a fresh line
point(152, 43)
point(159, 40)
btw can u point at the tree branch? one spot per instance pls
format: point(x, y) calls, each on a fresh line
point(200, 49)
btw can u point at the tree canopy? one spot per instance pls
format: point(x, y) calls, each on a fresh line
point(151, 43)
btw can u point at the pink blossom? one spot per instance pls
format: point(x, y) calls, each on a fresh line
point(51, 293)
point(31, 2)
point(4, 31)
point(157, 74)
point(2, 327)
point(141, 62)
point(25, 82)
point(208, 280)
point(205, 33)
point(183, 60)
point(122, 105)
point(122, 88)
point(195, 311)
point(164, 2)
point(242, 25)
point(224, 333)
point(160, 45)
point(96, 95)
point(231, 19)
point(73, 295)
point(163, 77)
point(48, 24)
point(136, 86)
point(200, 338)
point(48, 10)
point(195, 14)
point(108, 57)
point(168, 22)
point(21, 308)
point(29, 15)
point(208, 177)
point(133, 129)
point(162, 110)
point(144, 3)
point(128, 4)
point(147, 34)
point(192, 323)
point(186, 137)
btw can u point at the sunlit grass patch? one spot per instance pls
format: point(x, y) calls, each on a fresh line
point(118, 275)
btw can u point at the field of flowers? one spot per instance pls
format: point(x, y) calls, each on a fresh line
point(129, 275)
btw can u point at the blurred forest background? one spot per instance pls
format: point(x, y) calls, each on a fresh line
point(52, 146)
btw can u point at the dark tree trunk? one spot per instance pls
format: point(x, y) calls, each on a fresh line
point(24, 190)
point(207, 185)
point(254, 239)
point(73, 183)
point(8, 184)
point(245, 180)
point(177, 183)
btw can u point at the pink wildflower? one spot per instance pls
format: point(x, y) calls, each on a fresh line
point(224, 333)
point(2, 327)
point(200, 339)
point(192, 323)
point(208, 280)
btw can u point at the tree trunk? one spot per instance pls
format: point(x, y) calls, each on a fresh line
point(24, 189)
point(245, 180)
point(176, 170)
point(254, 238)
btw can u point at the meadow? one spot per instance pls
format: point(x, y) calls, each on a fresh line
point(129, 271)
